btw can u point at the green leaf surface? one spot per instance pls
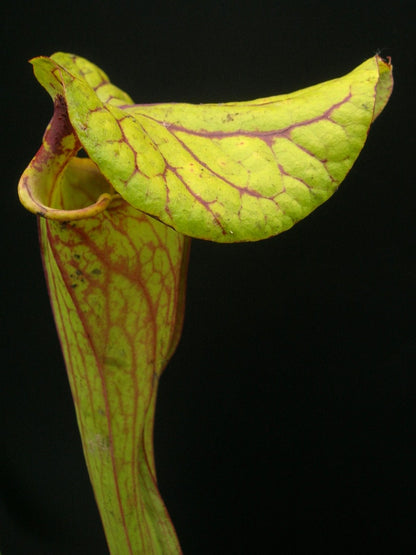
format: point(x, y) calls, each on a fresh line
point(239, 171)
point(116, 280)
point(117, 284)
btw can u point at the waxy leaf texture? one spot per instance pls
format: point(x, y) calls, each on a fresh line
point(239, 171)
point(115, 231)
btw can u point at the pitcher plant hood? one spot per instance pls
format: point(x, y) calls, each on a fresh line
point(237, 171)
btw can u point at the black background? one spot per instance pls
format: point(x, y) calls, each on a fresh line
point(286, 419)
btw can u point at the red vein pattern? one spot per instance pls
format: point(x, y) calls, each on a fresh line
point(116, 283)
point(239, 171)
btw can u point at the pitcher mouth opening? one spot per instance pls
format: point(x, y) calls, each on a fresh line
point(61, 183)
point(79, 191)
